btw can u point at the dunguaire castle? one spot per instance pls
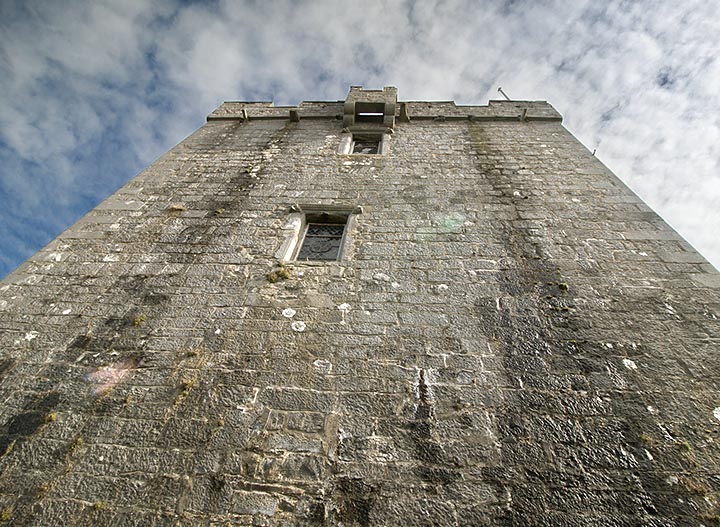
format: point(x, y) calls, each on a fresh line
point(364, 312)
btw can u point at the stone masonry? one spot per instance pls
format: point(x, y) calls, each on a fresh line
point(510, 338)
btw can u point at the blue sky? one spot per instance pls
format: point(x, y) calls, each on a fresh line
point(92, 92)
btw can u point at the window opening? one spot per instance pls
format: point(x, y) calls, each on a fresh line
point(364, 144)
point(369, 112)
point(323, 237)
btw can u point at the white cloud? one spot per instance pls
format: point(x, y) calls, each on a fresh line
point(83, 83)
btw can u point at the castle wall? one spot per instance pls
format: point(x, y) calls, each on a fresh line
point(513, 339)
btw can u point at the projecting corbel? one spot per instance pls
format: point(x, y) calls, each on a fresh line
point(404, 115)
point(244, 114)
point(294, 116)
point(523, 115)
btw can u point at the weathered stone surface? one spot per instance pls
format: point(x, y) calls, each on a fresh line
point(514, 338)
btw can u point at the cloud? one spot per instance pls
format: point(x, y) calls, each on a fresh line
point(92, 93)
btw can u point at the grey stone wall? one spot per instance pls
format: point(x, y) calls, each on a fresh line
point(515, 339)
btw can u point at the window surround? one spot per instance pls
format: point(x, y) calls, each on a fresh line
point(296, 226)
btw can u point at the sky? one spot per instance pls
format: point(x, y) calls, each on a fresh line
point(91, 92)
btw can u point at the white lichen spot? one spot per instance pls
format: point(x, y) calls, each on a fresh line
point(323, 366)
point(716, 413)
point(288, 312)
point(298, 326)
point(672, 480)
point(31, 335)
point(111, 258)
point(649, 455)
point(382, 277)
point(652, 410)
point(395, 285)
point(218, 331)
point(344, 308)
point(55, 257)
point(629, 364)
point(608, 345)
point(442, 287)
point(67, 311)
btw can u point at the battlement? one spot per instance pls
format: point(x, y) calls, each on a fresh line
point(495, 110)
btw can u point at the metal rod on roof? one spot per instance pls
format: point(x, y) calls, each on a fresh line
point(503, 93)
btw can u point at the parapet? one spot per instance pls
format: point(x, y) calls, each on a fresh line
point(382, 105)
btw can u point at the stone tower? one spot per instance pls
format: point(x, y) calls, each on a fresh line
point(364, 313)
